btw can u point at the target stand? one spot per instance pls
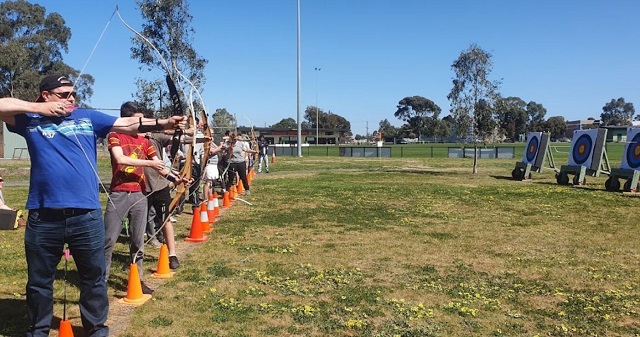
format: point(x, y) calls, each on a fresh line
point(588, 156)
point(629, 168)
point(631, 184)
point(537, 150)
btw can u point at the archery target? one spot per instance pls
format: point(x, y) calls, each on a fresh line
point(533, 147)
point(582, 146)
point(631, 154)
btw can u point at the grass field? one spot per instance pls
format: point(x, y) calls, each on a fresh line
point(407, 246)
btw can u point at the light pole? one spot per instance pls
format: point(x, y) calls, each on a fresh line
point(317, 114)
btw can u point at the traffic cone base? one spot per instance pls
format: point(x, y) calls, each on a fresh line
point(134, 289)
point(65, 329)
point(163, 271)
point(202, 239)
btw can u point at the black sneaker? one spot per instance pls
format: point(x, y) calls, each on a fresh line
point(173, 262)
point(146, 290)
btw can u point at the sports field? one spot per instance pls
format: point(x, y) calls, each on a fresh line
point(404, 246)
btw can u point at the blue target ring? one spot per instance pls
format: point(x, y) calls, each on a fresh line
point(532, 149)
point(633, 152)
point(582, 149)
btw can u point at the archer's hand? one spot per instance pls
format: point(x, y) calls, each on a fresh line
point(54, 109)
point(176, 122)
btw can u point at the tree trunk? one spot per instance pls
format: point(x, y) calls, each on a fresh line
point(475, 157)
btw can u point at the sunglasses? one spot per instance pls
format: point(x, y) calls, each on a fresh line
point(64, 95)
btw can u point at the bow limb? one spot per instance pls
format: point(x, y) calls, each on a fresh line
point(208, 140)
point(173, 92)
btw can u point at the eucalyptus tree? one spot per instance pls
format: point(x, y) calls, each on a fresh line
point(415, 110)
point(473, 94)
point(223, 120)
point(617, 112)
point(32, 44)
point(167, 26)
point(387, 129)
point(536, 113)
point(512, 116)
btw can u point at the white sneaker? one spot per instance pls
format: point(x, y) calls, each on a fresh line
point(172, 219)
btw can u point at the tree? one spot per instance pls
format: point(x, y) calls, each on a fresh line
point(223, 120)
point(512, 117)
point(167, 27)
point(443, 129)
point(31, 47)
point(314, 115)
point(556, 126)
point(536, 113)
point(413, 111)
point(486, 124)
point(617, 112)
point(470, 86)
point(387, 129)
point(286, 123)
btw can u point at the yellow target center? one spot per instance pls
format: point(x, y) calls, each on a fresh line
point(636, 151)
point(582, 149)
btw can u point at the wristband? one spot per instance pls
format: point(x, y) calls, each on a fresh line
point(149, 128)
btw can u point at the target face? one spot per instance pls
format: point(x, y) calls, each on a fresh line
point(583, 143)
point(631, 157)
point(533, 146)
point(582, 150)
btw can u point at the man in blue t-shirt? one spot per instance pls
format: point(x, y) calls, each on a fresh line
point(63, 201)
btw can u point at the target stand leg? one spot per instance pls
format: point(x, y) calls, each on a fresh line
point(579, 173)
point(522, 171)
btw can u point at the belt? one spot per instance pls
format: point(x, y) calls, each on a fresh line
point(63, 212)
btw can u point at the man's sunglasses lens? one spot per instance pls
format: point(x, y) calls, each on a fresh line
point(65, 95)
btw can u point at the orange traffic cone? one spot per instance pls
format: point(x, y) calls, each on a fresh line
point(240, 187)
point(216, 205)
point(225, 200)
point(196, 234)
point(163, 270)
point(65, 329)
point(204, 218)
point(273, 156)
point(250, 176)
point(232, 193)
point(134, 289)
point(211, 210)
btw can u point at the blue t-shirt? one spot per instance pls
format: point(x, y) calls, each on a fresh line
point(63, 157)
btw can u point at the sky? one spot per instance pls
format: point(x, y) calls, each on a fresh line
point(571, 56)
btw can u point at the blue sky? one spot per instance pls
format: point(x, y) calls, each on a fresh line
point(570, 56)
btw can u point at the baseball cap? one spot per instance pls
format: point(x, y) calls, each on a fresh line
point(51, 82)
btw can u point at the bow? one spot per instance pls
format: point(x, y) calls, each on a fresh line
point(208, 133)
point(254, 143)
point(177, 110)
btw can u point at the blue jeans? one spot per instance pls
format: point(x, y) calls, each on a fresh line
point(45, 236)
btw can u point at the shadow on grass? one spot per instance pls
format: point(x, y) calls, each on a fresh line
point(15, 323)
point(503, 178)
point(422, 171)
point(14, 317)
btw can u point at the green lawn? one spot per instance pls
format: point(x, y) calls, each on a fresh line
point(411, 246)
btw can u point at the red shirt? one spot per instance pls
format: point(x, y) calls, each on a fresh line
point(129, 178)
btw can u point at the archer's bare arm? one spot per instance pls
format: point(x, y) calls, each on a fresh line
point(9, 107)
